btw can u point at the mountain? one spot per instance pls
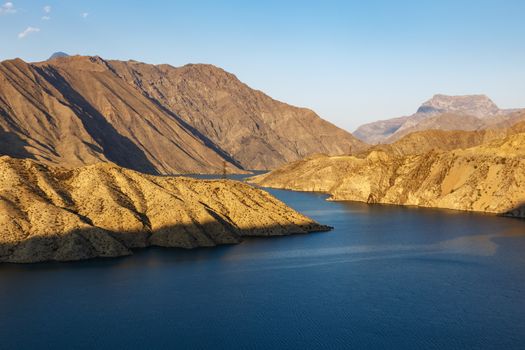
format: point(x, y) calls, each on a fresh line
point(58, 55)
point(79, 110)
point(102, 210)
point(74, 111)
point(476, 105)
point(441, 112)
point(486, 178)
point(256, 130)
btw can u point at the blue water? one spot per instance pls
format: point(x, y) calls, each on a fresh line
point(386, 277)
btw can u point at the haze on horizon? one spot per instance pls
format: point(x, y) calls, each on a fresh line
point(352, 62)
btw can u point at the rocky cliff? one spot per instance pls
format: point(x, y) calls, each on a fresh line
point(102, 210)
point(78, 110)
point(486, 178)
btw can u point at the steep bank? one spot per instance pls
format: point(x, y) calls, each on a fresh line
point(487, 178)
point(102, 210)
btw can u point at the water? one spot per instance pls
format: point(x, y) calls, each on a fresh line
point(386, 277)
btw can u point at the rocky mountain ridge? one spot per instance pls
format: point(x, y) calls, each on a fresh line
point(158, 119)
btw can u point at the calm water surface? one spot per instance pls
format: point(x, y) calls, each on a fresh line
point(386, 277)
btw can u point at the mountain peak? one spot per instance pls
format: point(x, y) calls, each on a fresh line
point(58, 55)
point(476, 105)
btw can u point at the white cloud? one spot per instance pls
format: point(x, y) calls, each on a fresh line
point(84, 15)
point(7, 7)
point(46, 18)
point(47, 9)
point(28, 31)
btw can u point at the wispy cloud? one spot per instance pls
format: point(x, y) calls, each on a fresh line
point(7, 8)
point(28, 31)
point(84, 14)
point(47, 11)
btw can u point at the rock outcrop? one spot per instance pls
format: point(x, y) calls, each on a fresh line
point(441, 112)
point(78, 110)
point(102, 210)
point(487, 178)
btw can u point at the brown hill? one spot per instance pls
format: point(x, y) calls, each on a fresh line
point(486, 178)
point(102, 210)
point(157, 119)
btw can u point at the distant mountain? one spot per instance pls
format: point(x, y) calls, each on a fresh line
point(77, 110)
point(419, 142)
point(441, 112)
point(58, 55)
point(476, 105)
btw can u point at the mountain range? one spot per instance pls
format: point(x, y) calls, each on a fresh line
point(158, 119)
point(441, 112)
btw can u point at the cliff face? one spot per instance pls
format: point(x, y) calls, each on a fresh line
point(487, 178)
point(441, 112)
point(80, 110)
point(50, 213)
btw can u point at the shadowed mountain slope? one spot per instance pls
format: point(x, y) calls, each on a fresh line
point(77, 110)
point(256, 130)
point(86, 114)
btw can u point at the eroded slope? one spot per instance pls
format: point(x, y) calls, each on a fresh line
point(49, 213)
point(487, 178)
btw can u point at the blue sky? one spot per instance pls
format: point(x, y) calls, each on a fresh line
point(350, 61)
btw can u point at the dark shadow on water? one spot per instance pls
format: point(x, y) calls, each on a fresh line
point(518, 212)
point(94, 242)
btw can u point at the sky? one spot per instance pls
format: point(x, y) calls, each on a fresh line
point(350, 61)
